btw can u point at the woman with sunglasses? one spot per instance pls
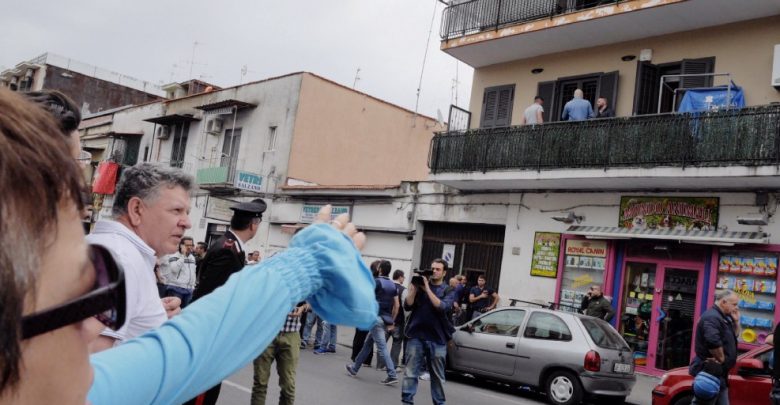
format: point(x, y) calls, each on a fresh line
point(52, 288)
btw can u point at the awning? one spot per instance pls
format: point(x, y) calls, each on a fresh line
point(230, 103)
point(172, 119)
point(691, 236)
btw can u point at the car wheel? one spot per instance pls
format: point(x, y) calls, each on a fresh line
point(563, 388)
point(684, 400)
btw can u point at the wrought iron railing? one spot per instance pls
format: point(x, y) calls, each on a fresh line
point(469, 17)
point(747, 136)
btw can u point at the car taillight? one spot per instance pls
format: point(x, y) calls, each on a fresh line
point(593, 361)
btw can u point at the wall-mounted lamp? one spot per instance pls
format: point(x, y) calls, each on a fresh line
point(569, 218)
point(536, 71)
point(628, 58)
point(759, 220)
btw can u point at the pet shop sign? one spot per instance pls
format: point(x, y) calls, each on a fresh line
point(544, 262)
point(593, 248)
point(679, 213)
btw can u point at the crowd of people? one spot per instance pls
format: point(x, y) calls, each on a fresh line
point(576, 109)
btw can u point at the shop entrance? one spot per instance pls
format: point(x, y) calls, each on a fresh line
point(658, 302)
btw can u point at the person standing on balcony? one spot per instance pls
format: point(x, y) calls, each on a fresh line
point(577, 109)
point(533, 114)
point(602, 108)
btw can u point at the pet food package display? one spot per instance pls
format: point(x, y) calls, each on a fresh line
point(753, 276)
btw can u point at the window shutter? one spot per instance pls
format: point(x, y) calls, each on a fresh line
point(489, 108)
point(497, 106)
point(648, 78)
point(546, 90)
point(608, 87)
point(504, 108)
point(697, 66)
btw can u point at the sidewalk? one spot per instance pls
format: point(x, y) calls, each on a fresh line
point(640, 395)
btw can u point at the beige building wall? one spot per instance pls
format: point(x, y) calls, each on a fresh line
point(744, 49)
point(345, 137)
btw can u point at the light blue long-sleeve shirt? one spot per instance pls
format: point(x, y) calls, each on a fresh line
point(577, 109)
point(225, 330)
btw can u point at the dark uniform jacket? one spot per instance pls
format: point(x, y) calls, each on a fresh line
point(221, 261)
point(598, 307)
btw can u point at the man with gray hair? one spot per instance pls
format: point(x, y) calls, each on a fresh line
point(716, 343)
point(577, 109)
point(150, 215)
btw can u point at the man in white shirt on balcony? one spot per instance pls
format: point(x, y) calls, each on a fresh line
point(533, 114)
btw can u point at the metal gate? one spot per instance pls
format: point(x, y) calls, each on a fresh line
point(478, 249)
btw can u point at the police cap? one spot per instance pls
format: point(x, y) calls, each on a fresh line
point(254, 208)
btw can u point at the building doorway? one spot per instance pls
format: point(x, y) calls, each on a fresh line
point(657, 307)
point(477, 249)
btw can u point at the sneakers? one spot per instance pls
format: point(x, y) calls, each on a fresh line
point(331, 350)
point(389, 381)
point(303, 345)
point(321, 350)
point(350, 371)
point(426, 376)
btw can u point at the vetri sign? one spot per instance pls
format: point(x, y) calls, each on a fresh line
point(248, 181)
point(309, 211)
point(586, 248)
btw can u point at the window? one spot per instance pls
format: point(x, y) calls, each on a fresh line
point(271, 138)
point(178, 148)
point(497, 106)
point(603, 335)
point(546, 326)
point(504, 323)
point(230, 146)
point(648, 82)
point(594, 85)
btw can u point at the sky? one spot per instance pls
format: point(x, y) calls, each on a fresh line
point(153, 41)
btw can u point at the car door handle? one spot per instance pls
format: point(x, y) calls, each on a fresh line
point(510, 345)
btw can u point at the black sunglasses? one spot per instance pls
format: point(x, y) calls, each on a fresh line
point(106, 300)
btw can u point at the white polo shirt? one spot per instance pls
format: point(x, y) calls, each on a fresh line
point(144, 308)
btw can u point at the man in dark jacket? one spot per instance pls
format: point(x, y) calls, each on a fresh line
point(595, 304)
point(226, 256)
point(716, 341)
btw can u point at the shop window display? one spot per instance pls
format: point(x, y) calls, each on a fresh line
point(584, 265)
point(753, 276)
point(638, 293)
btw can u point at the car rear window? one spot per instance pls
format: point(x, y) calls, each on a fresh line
point(603, 334)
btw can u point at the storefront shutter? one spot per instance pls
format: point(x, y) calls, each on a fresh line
point(608, 87)
point(697, 66)
point(546, 90)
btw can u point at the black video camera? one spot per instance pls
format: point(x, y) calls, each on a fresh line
point(417, 278)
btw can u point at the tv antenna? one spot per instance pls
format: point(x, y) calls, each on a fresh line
point(357, 77)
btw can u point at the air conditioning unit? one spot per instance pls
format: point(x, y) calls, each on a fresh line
point(163, 132)
point(776, 68)
point(214, 126)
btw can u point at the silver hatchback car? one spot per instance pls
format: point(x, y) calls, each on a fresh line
point(568, 356)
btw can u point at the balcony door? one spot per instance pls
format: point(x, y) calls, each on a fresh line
point(557, 93)
point(648, 83)
point(230, 147)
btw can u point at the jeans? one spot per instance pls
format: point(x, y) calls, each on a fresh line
point(329, 332)
point(184, 294)
point(721, 399)
point(376, 335)
point(432, 354)
point(311, 319)
point(285, 350)
point(395, 350)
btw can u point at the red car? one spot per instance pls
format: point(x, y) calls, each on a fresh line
point(749, 381)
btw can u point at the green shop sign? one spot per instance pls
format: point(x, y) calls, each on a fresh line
point(669, 213)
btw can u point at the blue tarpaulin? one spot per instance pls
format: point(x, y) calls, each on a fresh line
point(712, 98)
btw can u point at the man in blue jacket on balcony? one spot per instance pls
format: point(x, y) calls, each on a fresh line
point(577, 109)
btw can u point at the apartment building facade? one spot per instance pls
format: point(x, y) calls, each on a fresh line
point(661, 205)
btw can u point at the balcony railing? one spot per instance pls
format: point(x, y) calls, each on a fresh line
point(469, 17)
point(738, 137)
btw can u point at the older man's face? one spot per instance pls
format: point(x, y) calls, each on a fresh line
point(164, 220)
point(729, 304)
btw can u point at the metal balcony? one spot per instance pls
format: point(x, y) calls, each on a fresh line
point(748, 137)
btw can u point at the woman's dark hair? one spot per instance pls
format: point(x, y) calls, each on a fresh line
point(61, 107)
point(37, 176)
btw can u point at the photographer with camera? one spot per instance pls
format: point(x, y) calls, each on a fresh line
point(429, 300)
